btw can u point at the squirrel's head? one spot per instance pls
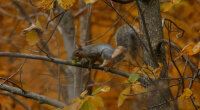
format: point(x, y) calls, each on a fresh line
point(77, 54)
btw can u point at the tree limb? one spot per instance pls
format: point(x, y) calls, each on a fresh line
point(42, 99)
point(16, 99)
point(60, 61)
point(123, 1)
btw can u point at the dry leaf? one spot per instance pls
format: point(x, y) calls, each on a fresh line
point(91, 103)
point(83, 93)
point(186, 94)
point(196, 48)
point(122, 96)
point(101, 89)
point(190, 49)
point(74, 106)
point(47, 4)
point(137, 88)
point(158, 70)
point(166, 6)
point(33, 34)
point(66, 4)
point(89, 1)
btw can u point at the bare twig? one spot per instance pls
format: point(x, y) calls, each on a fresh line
point(42, 99)
point(168, 27)
point(16, 99)
point(22, 10)
point(19, 69)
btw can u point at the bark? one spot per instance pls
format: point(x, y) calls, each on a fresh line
point(150, 18)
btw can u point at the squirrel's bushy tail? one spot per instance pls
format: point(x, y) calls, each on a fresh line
point(126, 37)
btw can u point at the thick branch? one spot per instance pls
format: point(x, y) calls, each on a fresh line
point(123, 1)
point(42, 99)
point(60, 61)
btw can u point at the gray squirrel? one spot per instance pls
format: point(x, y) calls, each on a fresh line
point(127, 43)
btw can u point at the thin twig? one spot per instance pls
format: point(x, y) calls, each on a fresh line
point(42, 99)
point(16, 99)
point(168, 27)
point(19, 69)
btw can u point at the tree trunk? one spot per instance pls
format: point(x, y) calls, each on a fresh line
point(150, 18)
point(77, 78)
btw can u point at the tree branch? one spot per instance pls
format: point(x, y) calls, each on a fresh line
point(16, 99)
point(60, 61)
point(42, 99)
point(123, 1)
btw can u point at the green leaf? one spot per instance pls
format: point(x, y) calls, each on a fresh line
point(97, 91)
point(73, 62)
point(85, 106)
point(133, 77)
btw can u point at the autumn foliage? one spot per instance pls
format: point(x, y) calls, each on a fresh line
point(42, 36)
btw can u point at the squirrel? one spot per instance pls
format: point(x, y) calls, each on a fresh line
point(127, 43)
point(91, 53)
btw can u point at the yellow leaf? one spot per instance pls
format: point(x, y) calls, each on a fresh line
point(122, 96)
point(47, 4)
point(148, 70)
point(105, 89)
point(38, 23)
point(84, 93)
point(92, 103)
point(140, 32)
point(137, 88)
point(33, 34)
point(186, 94)
point(89, 1)
point(66, 4)
point(158, 70)
point(32, 37)
point(176, 1)
point(164, 7)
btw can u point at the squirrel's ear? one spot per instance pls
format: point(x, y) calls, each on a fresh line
point(79, 47)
